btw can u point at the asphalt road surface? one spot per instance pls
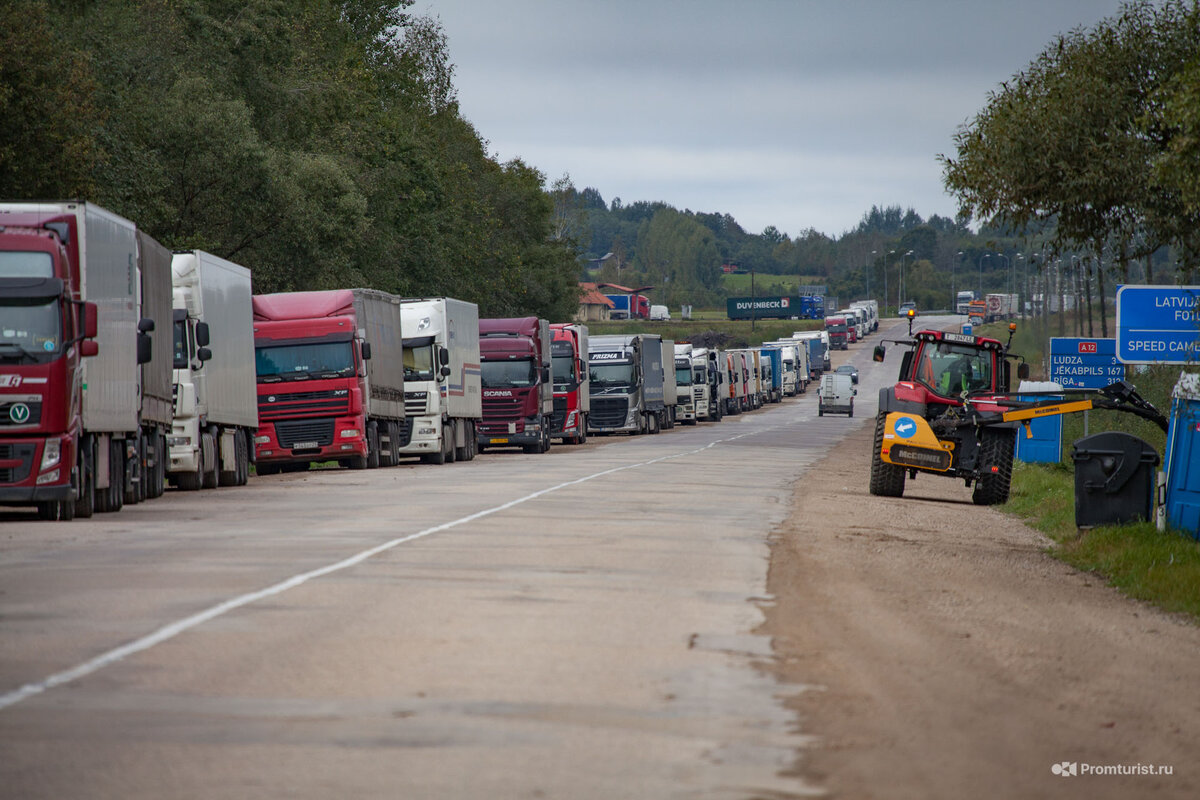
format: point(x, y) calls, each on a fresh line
point(579, 624)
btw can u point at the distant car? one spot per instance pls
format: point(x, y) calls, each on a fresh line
point(849, 369)
point(905, 308)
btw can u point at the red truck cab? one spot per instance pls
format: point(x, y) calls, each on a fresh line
point(45, 332)
point(839, 332)
point(518, 394)
point(572, 390)
point(311, 381)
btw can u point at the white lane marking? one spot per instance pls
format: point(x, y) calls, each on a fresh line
point(187, 623)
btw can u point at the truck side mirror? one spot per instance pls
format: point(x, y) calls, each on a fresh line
point(366, 351)
point(145, 349)
point(445, 372)
point(145, 325)
point(1023, 370)
point(443, 356)
point(545, 374)
point(88, 348)
point(87, 320)
point(203, 354)
point(880, 350)
point(202, 335)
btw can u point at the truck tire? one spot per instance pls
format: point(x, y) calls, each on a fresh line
point(210, 461)
point(227, 477)
point(387, 452)
point(112, 498)
point(850, 413)
point(887, 480)
point(135, 483)
point(820, 410)
point(462, 453)
point(996, 462)
point(242, 452)
point(372, 445)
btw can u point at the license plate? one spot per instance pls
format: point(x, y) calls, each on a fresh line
point(304, 445)
point(499, 441)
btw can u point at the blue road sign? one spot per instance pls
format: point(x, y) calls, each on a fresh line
point(1084, 363)
point(1158, 324)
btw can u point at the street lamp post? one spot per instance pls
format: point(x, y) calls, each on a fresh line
point(885, 272)
point(953, 294)
point(903, 264)
point(981, 258)
point(870, 269)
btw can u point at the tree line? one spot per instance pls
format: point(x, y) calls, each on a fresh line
point(320, 144)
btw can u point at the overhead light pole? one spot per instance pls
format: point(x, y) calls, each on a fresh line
point(903, 264)
point(954, 294)
point(981, 258)
point(885, 272)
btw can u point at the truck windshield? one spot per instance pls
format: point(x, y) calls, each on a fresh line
point(683, 373)
point(564, 372)
point(418, 363)
point(296, 362)
point(21, 264)
point(611, 376)
point(30, 329)
point(181, 345)
point(514, 373)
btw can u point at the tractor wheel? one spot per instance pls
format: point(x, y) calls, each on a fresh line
point(887, 480)
point(996, 463)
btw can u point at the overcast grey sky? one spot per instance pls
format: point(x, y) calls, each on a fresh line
point(793, 113)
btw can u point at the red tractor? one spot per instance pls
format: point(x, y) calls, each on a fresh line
point(951, 414)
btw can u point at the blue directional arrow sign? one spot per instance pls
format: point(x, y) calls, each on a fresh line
point(1084, 363)
point(1158, 324)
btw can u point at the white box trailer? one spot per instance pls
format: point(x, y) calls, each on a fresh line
point(443, 398)
point(216, 403)
point(670, 387)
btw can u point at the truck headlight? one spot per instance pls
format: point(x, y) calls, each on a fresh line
point(262, 439)
point(178, 441)
point(48, 477)
point(349, 433)
point(51, 456)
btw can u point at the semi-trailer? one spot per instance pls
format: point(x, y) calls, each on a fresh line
point(771, 361)
point(734, 382)
point(666, 417)
point(572, 390)
point(216, 404)
point(84, 398)
point(518, 389)
point(626, 383)
point(330, 373)
point(443, 399)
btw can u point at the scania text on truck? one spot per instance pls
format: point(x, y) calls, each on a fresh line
point(330, 372)
point(627, 383)
point(518, 389)
point(443, 400)
point(572, 390)
point(84, 403)
point(216, 404)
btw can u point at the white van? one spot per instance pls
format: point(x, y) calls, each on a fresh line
point(660, 314)
point(836, 395)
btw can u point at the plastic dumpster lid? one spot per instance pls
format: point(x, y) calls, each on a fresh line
point(1040, 386)
point(1188, 387)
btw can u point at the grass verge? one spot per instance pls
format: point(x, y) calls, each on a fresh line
point(1162, 568)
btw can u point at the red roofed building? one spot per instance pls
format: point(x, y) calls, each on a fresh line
point(593, 306)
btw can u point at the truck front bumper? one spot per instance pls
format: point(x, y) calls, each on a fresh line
point(572, 426)
point(426, 436)
point(348, 440)
point(518, 433)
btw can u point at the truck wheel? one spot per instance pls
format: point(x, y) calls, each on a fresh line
point(111, 498)
point(227, 477)
point(820, 410)
point(209, 462)
point(47, 511)
point(851, 412)
point(372, 445)
point(887, 480)
point(135, 481)
point(242, 451)
point(652, 426)
point(449, 437)
point(996, 462)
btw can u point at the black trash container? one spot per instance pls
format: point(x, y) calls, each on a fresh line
point(1114, 479)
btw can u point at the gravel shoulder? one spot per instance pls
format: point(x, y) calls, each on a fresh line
point(942, 653)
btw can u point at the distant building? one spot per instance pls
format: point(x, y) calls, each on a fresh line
point(593, 305)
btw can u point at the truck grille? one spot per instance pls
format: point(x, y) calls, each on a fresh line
point(502, 408)
point(27, 412)
point(291, 431)
point(609, 412)
point(16, 452)
point(560, 415)
point(281, 406)
point(416, 404)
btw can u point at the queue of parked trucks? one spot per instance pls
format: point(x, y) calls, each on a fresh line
point(125, 367)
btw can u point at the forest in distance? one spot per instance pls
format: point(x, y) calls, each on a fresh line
point(322, 145)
